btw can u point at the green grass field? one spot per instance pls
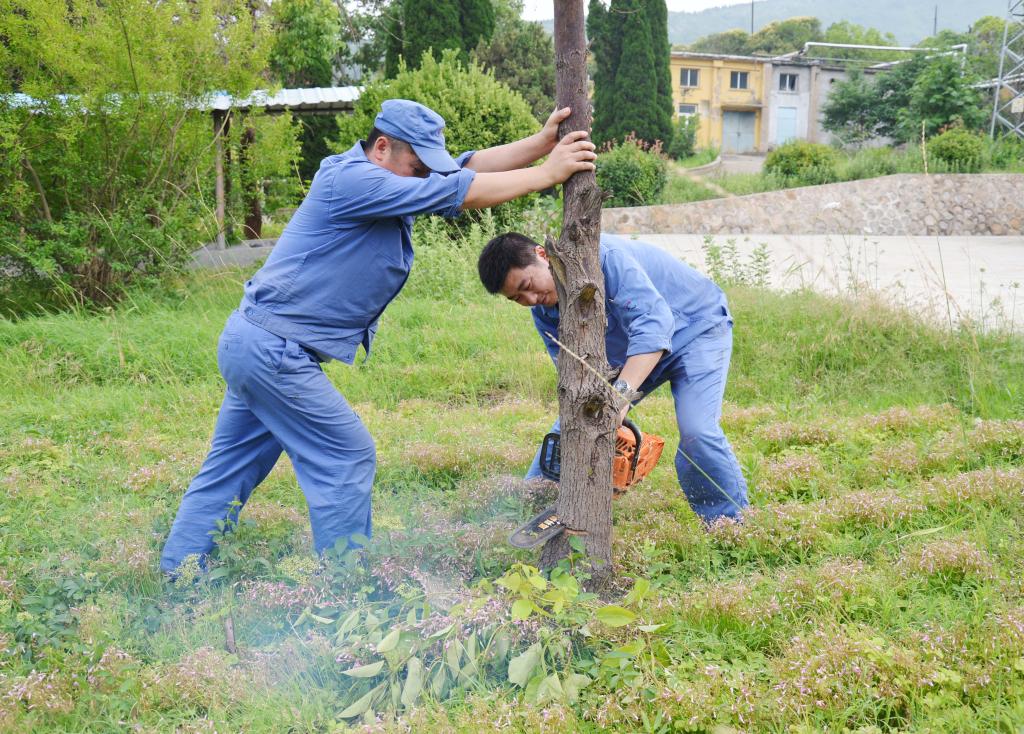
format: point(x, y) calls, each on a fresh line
point(875, 585)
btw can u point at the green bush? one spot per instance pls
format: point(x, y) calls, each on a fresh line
point(1005, 153)
point(479, 112)
point(868, 163)
point(684, 137)
point(958, 148)
point(634, 174)
point(803, 163)
point(106, 177)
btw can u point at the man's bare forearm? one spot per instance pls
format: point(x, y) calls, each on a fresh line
point(511, 156)
point(491, 189)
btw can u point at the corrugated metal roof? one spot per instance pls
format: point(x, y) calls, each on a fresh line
point(318, 99)
point(312, 98)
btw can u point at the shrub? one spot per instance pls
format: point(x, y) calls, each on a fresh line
point(1006, 152)
point(106, 177)
point(869, 163)
point(684, 137)
point(633, 173)
point(958, 148)
point(803, 163)
point(479, 112)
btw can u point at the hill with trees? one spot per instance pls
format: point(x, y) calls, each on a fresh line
point(909, 22)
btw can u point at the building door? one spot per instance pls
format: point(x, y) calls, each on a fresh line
point(785, 124)
point(738, 132)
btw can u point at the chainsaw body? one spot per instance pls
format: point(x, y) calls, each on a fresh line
point(636, 454)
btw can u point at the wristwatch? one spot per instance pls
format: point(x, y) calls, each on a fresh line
point(621, 386)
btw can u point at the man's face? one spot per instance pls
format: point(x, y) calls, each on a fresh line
point(533, 285)
point(398, 158)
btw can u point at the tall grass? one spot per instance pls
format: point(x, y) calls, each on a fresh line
point(874, 583)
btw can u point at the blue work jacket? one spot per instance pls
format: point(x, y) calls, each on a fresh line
point(653, 302)
point(347, 252)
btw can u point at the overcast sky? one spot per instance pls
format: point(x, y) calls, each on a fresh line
point(543, 9)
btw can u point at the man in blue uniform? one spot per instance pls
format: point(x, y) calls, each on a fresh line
point(345, 254)
point(666, 323)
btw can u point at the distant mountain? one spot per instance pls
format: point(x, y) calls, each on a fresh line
point(909, 20)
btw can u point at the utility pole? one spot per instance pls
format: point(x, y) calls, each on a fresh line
point(935, 22)
point(1008, 102)
point(585, 399)
point(751, 17)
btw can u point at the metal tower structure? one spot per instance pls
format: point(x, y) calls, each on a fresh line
point(1008, 102)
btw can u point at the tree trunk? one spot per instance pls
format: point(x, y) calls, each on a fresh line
point(584, 397)
point(253, 227)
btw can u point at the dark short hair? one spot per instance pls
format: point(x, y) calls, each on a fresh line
point(500, 255)
point(375, 133)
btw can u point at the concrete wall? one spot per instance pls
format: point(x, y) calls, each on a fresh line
point(906, 204)
point(799, 99)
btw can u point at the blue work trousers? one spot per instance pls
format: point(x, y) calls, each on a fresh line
point(277, 398)
point(705, 463)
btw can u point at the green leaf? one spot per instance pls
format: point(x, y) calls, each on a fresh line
point(413, 682)
point(521, 609)
point(439, 682)
point(638, 592)
point(550, 689)
point(574, 684)
point(365, 671)
point(441, 632)
point(649, 627)
point(348, 625)
point(614, 616)
point(521, 667)
point(451, 656)
point(361, 706)
point(390, 641)
point(576, 543)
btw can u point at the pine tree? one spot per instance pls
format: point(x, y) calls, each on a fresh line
point(657, 18)
point(605, 41)
point(632, 82)
point(632, 109)
point(477, 23)
point(430, 24)
point(437, 25)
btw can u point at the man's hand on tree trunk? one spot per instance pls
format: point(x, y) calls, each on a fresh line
point(573, 154)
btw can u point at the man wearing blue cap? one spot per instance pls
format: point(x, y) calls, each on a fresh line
point(666, 323)
point(345, 254)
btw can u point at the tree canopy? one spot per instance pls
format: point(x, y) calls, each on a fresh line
point(435, 25)
point(522, 55)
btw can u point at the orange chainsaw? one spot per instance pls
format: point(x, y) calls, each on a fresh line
point(636, 454)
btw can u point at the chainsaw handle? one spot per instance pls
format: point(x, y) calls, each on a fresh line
point(639, 437)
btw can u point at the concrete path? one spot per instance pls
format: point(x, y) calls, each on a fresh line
point(245, 252)
point(946, 279)
point(737, 163)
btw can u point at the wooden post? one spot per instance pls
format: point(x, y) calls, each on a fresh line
point(585, 400)
point(219, 126)
point(253, 227)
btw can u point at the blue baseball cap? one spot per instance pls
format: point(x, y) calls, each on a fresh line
point(420, 127)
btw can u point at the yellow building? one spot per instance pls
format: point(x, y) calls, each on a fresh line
point(727, 92)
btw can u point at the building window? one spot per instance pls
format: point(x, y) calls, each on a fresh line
point(787, 82)
point(685, 110)
point(738, 79)
point(689, 77)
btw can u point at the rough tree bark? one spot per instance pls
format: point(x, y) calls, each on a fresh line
point(585, 401)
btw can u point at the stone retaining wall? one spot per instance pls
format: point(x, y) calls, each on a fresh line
point(905, 204)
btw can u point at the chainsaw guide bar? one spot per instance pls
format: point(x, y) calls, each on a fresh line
point(542, 528)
